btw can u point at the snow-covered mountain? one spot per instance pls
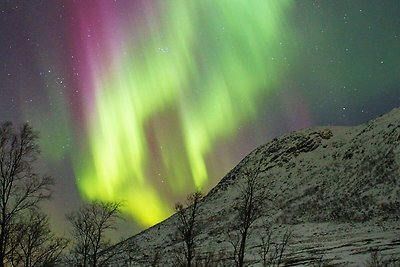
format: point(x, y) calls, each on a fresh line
point(336, 188)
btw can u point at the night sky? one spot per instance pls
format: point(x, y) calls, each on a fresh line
point(145, 101)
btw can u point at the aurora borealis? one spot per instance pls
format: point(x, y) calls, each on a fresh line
point(145, 101)
point(209, 78)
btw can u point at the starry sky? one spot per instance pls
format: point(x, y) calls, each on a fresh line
point(146, 101)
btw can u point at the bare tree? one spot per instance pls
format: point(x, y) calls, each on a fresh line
point(271, 253)
point(37, 244)
point(21, 188)
point(122, 253)
point(129, 253)
point(188, 227)
point(90, 224)
point(376, 259)
point(265, 245)
point(248, 208)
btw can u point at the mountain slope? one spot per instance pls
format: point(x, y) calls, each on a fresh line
point(337, 188)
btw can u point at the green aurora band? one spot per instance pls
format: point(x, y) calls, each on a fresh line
point(186, 78)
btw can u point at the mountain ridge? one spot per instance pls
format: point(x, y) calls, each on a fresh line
point(328, 182)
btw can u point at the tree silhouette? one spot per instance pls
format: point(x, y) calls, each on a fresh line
point(21, 189)
point(89, 226)
point(272, 252)
point(188, 227)
point(248, 208)
point(37, 245)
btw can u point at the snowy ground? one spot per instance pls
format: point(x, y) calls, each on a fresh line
point(336, 188)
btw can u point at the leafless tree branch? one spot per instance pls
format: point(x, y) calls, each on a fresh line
point(90, 223)
point(21, 189)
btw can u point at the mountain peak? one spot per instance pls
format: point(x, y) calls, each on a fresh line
point(337, 182)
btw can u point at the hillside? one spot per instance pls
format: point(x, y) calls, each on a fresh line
point(336, 188)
